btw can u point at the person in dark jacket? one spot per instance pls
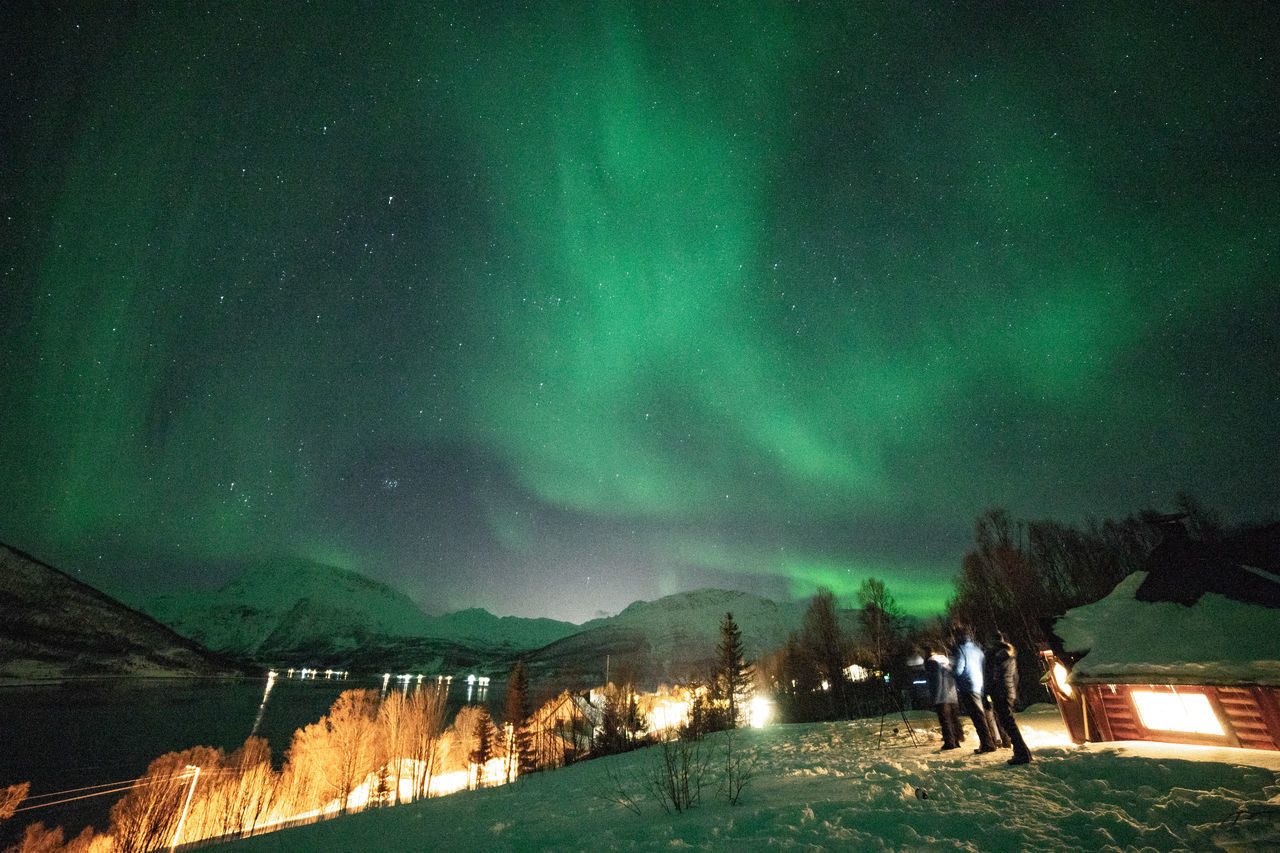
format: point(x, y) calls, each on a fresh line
point(1003, 690)
point(992, 681)
point(967, 659)
point(942, 693)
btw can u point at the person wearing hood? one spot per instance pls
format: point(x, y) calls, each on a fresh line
point(967, 659)
point(1003, 690)
point(942, 694)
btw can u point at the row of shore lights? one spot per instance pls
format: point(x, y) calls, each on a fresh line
point(404, 680)
point(441, 680)
point(307, 672)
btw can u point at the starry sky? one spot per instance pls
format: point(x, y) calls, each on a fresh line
point(550, 307)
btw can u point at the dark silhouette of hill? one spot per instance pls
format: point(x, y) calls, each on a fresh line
point(53, 626)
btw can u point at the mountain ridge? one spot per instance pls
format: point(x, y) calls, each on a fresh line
point(53, 626)
point(290, 612)
point(278, 606)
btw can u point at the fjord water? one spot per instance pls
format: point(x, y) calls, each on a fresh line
point(78, 734)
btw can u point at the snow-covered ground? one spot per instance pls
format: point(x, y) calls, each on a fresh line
point(855, 786)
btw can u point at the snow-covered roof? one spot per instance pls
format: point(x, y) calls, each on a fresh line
point(1214, 641)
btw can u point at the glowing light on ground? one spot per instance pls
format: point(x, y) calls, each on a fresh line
point(761, 712)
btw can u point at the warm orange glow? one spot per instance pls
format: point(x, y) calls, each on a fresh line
point(1177, 712)
point(186, 806)
point(1060, 678)
point(668, 714)
point(761, 712)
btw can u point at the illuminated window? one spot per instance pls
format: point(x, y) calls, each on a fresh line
point(1177, 712)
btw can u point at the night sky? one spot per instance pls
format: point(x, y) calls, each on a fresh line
point(549, 308)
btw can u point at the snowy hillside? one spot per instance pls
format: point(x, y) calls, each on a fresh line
point(53, 626)
point(839, 787)
point(475, 626)
point(694, 618)
point(668, 640)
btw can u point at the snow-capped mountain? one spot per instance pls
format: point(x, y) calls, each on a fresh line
point(287, 605)
point(671, 639)
point(694, 617)
point(53, 626)
point(293, 612)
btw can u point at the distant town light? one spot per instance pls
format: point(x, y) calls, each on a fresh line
point(857, 673)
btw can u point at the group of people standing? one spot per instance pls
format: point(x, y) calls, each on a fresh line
point(961, 676)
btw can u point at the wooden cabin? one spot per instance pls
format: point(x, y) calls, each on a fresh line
point(1186, 651)
point(1237, 715)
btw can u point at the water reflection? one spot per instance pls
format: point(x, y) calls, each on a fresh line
point(257, 721)
point(84, 733)
point(480, 686)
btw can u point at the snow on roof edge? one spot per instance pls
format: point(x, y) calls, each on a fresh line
point(1214, 641)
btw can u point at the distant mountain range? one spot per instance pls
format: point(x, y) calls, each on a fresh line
point(296, 613)
point(54, 626)
point(277, 608)
point(672, 638)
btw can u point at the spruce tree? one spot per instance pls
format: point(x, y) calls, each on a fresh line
point(516, 713)
point(733, 675)
point(484, 743)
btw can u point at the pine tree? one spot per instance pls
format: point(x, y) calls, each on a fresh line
point(483, 750)
point(733, 674)
point(516, 714)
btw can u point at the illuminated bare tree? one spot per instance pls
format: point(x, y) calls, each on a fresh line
point(425, 722)
point(328, 759)
point(10, 797)
point(241, 796)
point(38, 838)
point(147, 817)
point(827, 647)
point(301, 780)
point(882, 622)
point(396, 739)
point(462, 737)
point(353, 738)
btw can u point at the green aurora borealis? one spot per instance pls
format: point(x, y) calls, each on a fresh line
point(548, 309)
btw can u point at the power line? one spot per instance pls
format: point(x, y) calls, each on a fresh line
point(85, 788)
point(73, 799)
point(113, 788)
